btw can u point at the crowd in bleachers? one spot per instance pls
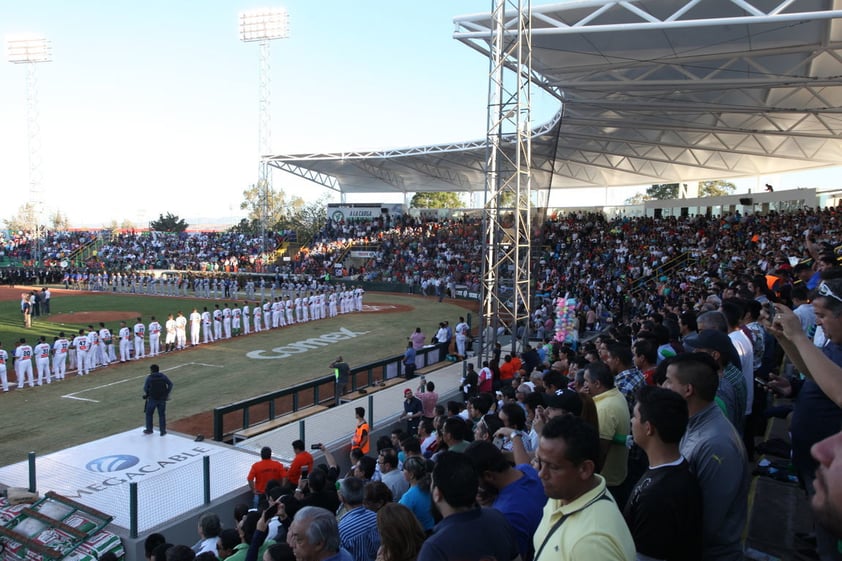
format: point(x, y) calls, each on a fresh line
point(404, 249)
point(641, 440)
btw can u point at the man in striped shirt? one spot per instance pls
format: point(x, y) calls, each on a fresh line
point(358, 528)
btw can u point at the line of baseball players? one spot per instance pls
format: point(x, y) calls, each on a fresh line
point(95, 348)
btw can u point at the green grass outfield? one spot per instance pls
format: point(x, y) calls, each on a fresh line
point(43, 419)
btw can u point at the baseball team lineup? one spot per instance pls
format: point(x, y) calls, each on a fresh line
point(85, 350)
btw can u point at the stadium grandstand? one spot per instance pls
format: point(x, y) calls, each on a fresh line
point(725, 302)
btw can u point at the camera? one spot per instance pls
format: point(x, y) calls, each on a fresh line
point(315, 447)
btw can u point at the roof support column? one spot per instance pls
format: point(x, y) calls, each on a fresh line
point(507, 213)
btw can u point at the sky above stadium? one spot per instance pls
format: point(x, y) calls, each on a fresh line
point(152, 107)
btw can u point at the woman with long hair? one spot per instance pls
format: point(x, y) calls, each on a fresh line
point(401, 535)
point(418, 498)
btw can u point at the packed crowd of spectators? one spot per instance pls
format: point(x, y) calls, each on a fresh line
point(403, 249)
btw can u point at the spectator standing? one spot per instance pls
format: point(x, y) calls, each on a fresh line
point(520, 495)
point(303, 461)
point(262, 472)
point(466, 532)
point(412, 409)
point(592, 527)
point(409, 360)
point(716, 454)
point(664, 511)
point(361, 440)
point(429, 398)
point(614, 419)
point(418, 339)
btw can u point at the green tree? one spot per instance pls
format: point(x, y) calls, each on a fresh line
point(307, 220)
point(24, 220)
point(637, 199)
point(445, 199)
point(278, 206)
point(59, 221)
point(663, 191)
point(716, 188)
point(168, 223)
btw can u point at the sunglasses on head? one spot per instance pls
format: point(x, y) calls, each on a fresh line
point(824, 290)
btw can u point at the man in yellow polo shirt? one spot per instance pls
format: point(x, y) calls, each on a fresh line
point(614, 420)
point(581, 521)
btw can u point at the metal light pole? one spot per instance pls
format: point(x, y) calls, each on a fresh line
point(32, 50)
point(262, 26)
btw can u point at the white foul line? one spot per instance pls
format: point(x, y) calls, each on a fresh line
point(74, 394)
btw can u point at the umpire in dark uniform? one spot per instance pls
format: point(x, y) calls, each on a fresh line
point(156, 392)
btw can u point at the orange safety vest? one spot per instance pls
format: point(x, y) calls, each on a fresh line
point(361, 439)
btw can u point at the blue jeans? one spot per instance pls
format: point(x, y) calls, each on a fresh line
point(161, 406)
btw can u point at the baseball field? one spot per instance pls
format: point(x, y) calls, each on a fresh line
point(108, 400)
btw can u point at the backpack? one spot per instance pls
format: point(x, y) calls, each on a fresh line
point(158, 389)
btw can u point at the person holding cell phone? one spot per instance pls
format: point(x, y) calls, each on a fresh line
point(301, 463)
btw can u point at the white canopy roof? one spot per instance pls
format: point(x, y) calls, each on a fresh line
point(650, 91)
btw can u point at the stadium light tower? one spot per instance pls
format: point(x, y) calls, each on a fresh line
point(263, 26)
point(32, 50)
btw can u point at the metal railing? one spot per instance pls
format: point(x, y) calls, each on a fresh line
point(314, 392)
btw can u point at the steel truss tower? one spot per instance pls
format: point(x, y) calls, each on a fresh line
point(32, 51)
point(507, 218)
point(263, 26)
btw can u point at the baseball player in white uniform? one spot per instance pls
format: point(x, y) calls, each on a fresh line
point(125, 335)
point(226, 320)
point(180, 331)
point(258, 317)
point(288, 308)
point(236, 320)
point(217, 323)
point(169, 342)
point(106, 345)
point(139, 334)
point(195, 326)
point(93, 348)
point(246, 319)
point(4, 378)
point(154, 337)
point(82, 346)
point(206, 325)
point(23, 364)
point(42, 361)
point(60, 348)
point(267, 315)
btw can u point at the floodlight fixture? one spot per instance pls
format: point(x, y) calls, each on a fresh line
point(264, 25)
point(27, 49)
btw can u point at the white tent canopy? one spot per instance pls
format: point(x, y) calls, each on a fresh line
point(650, 91)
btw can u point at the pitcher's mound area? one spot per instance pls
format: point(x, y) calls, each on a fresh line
point(93, 317)
point(383, 308)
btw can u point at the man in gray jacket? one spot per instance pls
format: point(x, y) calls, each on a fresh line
point(716, 454)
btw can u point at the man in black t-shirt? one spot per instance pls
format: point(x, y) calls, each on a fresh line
point(664, 511)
